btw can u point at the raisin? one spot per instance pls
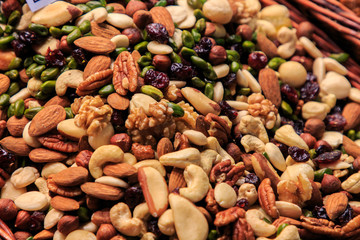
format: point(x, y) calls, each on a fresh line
point(229, 80)
point(243, 203)
point(157, 32)
point(347, 215)
point(230, 112)
point(36, 221)
point(309, 91)
point(203, 47)
point(181, 72)
point(79, 56)
point(328, 157)
point(320, 212)
point(157, 79)
point(289, 93)
point(55, 58)
point(335, 122)
point(298, 154)
point(28, 37)
point(133, 196)
point(152, 226)
point(6, 158)
point(253, 179)
point(257, 60)
point(20, 48)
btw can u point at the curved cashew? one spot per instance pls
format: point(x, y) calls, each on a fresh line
point(267, 28)
point(261, 229)
point(275, 156)
point(253, 126)
point(142, 212)
point(208, 158)
point(251, 143)
point(213, 144)
point(120, 217)
point(197, 183)
point(286, 50)
point(248, 191)
point(288, 39)
point(102, 155)
point(181, 158)
point(151, 163)
point(287, 135)
point(288, 233)
point(71, 78)
point(166, 223)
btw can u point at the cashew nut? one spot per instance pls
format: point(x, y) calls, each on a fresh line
point(261, 228)
point(275, 156)
point(122, 220)
point(288, 233)
point(197, 183)
point(292, 172)
point(41, 184)
point(181, 158)
point(251, 143)
point(166, 223)
point(208, 158)
point(286, 50)
point(151, 163)
point(287, 135)
point(214, 144)
point(71, 78)
point(142, 212)
point(253, 126)
point(248, 191)
point(10, 191)
point(102, 138)
point(267, 28)
point(102, 155)
point(148, 236)
point(33, 86)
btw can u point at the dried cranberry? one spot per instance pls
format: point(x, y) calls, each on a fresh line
point(28, 37)
point(237, 139)
point(157, 79)
point(328, 157)
point(152, 226)
point(229, 80)
point(309, 91)
point(311, 77)
point(6, 158)
point(117, 120)
point(203, 47)
point(133, 196)
point(257, 60)
point(20, 48)
point(79, 56)
point(181, 72)
point(36, 221)
point(243, 203)
point(253, 179)
point(347, 215)
point(157, 32)
point(337, 109)
point(298, 154)
point(320, 212)
point(289, 93)
point(55, 58)
point(322, 146)
point(299, 126)
point(229, 111)
point(335, 122)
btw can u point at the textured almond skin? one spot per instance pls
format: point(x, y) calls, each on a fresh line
point(161, 15)
point(4, 83)
point(64, 203)
point(351, 113)
point(118, 102)
point(103, 30)
point(102, 191)
point(16, 125)
point(336, 204)
point(97, 64)
point(15, 145)
point(164, 146)
point(351, 147)
point(98, 45)
point(119, 170)
point(41, 155)
point(71, 176)
point(176, 179)
point(46, 120)
point(270, 85)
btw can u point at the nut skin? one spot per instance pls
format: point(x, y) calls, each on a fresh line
point(305, 29)
point(22, 220)
point(305, 61)
point(309, 140)
point(68, 224)
point(330, 184)
point(133, 6)
point(133, 35)
point(234, 151)
point(244, 31)
point(217, 55)
point(122, 140)
point(322, 142)
point(210, 29)
point(142, 18)
point(101, 217)
point(21, 235)
point(105, 232)
point(142, 152)
point(8, 209)
point(300, 50)
point(162, 62)
point(83, 158)
point(315, 127)
point(356, 164)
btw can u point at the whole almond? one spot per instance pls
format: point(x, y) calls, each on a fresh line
point(57, 100)
point(97, 64)
point(41, 155)
point(336, 204)
point(351, 147)
point(103, 30)
point(98, 45)
point(176, 179)
point(64, 204)
point(16, 125)
point(4, 83)
point(45, 234)
point(164, 146)
point(102, 191)
point(46, 120)
point(270, 85)
point(161, 15)
point(118, 102)
point(17, 146)
point(351, 113)
point(119, 170)
point(266, 45)
point(72, 176)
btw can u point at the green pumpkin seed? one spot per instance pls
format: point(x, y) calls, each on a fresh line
point(197, 82)
point(69, 113)
point(200, 24)
point(36, 72)
point(48, 87)
point(209, 90)
point(30, 68)
point(145, 69)
point(175, 58)
point(187, 52)
point(199, 62)
point(39, 59)
point(280, 228)
point(234, 67)
point(14, 18)
point(28, 61)
point(286, 108)
point(275, 62)
point(233, 56)
point(144, 61)
point(94, 4)
point(187, 39)
point(210, 73)
point(340, 57)
point(85, 26)
point(248, 46)
point(141, 47)
point(49, 73)
point(75, 34)
point(196, 35)
point(39, 29)
point(10, 111)
point(84, 8)
point(198, 14)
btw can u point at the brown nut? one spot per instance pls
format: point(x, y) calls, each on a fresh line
point(142, 152)
point(305, 29)
point(133, 6)
point(105, 232)
point(209, 29)
point(122, 140)
point(83, 158)
point(300, 50)
point(305, 61)
point(8, 209)
point(16, 125)
point(356, 164)
point(309, 140)
point(64, 46)
point(324, 145)
point(22, 220)
point(133, 35)
point(164, 146)
point(68, 224)
point(118, 8)
point(142, 18)
point(234, 151)
point(21, 235)
point(162, 62)
point(244, 31)
point(217, 55)
point(101, 217)
point(330, 184)
point(315, 127)
point(9, 6)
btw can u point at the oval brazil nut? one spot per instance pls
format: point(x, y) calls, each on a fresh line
point(46, 120)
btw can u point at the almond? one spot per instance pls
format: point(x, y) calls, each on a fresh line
point(266, 45)
point(46, 120)
point(351, 147)
point(64, 203)
point(103, 30)
point(270, 85)
point(164, 146)
point(119, 170)
point(176, 179)
point(98, 45)
point(16, 125)
point(351, 113)
point(45, 234)
point(17, 146)
point(4, 83)
point(97, 64)
point(102, 191)
point(41, 155)
point(72, 176)
point(336, 204)
point(118, 102)
point(161, 15)
point(57, 100)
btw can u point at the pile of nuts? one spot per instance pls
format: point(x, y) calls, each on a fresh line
point(173, 119)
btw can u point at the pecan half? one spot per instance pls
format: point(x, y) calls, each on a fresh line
point(354, 224)
point(94, 82)
point(321, 226)
point(58, 143)
point(211, 204)
point(282, 220)
point(242, 230)
point(125, 73)
point(267, 198)
point(225, 172)
point(227, 216)
point(83, 158)
point(63, 191)
point(219, 128)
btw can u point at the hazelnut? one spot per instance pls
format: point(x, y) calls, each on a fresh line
point(92, 203)
point(22, 220)
point(64, 47)
point(305, 29)
point(83, 158)
point(162, 62)
point(315, 127)
point(9, 6)
point(299, 49)
point(68, 224)
point(217, 55)
point(142, 18)
point(133, 6)
point(122, 140)
point(209, 29)
point(356, 164)
point(105, 232)
point(305, 61)
point(20, 235)
point(330, 184)
point(101, 217)
point(8, 209)
point(23, 76)
point(133, 35)
point(234, 151)
point(244, 31)
point(309, 140)
point(118, 8)
point(181, 141)
point(118, 237)
point(142, 152)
